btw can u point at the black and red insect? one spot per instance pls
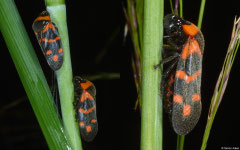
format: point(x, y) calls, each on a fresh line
point(85, 106)
point(182, 70)
point(49, 40)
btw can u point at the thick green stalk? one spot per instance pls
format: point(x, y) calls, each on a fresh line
point(151, 123)
point(31, 75)
point(64, 75)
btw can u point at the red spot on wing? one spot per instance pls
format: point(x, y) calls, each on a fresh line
point(88, 128)
point(49, 26)
point(81, 110)
point(196, 97)
point(191, 47)
point(49, 52)
point(178, 98)
point(60, 50)
point(186, 110)
point(49, 40)
point(55, 58)
point(93, 121)
point(81, 124)
point(86, 96)
point(182, 75)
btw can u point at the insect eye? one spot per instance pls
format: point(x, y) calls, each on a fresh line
point(174, 30)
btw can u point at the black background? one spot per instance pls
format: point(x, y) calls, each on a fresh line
point(90, 26)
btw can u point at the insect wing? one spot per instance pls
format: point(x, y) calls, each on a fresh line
point(186, 109)
point(88, 119)
point(49, 40)
point(85, 99)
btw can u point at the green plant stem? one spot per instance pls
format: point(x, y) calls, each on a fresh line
point(207, 130)
point(64, 76)
point(133, 23)
point(201, 12)
point(102, 76)
point(181, 8)
point(31, 75)
point(222, 81)
point(180, 142)
point(151, 123)
point(139, 14)
point(171, 6)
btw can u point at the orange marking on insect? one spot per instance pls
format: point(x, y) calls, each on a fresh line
point(169, 92)
point(88, 128)
point(182, 75)
point(171, 80)
point(42, 40)
point(60, 50)
point(86, 96)
point(42, 18)
point(191, 47)
point(50, 40)
point(186, 110)
point(49, 52)
point(191, 29)
point(178, 99)
point(49, 25)
point(55, 58)
point(81, 110)
point(93, 121)
point(53, 40)
point(86, 85)
point(196, 97)
point(81, 124)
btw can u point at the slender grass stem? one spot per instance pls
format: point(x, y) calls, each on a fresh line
point(151, 129)
point(180, 142)
point(201, 12)
point(171, 6)
point(222, 81)
point(181, 8)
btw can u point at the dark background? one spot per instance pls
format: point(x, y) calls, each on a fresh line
point(91, 25)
